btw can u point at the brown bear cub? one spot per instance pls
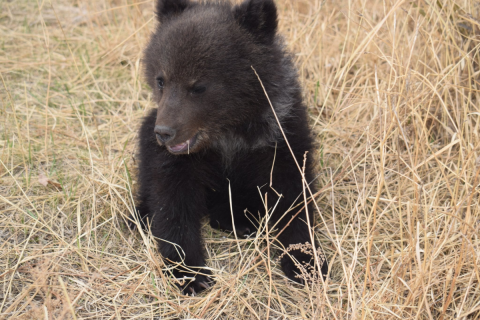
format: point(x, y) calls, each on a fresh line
point(214, 130)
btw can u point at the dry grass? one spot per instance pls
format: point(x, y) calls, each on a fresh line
point(393, 93)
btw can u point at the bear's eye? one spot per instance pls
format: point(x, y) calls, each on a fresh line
point(160, 82)
point(199, 89)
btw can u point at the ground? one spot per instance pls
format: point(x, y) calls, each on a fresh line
point(392, 91)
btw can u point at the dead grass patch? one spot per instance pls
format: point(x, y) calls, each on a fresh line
point(392, 88)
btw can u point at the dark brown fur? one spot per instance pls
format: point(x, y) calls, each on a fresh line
point(214, 127)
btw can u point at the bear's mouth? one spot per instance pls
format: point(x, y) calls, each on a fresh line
point(184, 147)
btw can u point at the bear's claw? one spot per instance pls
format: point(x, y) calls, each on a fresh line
point(199, 284)
point(303, 269)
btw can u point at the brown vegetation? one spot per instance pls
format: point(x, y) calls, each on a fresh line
point(392, 90)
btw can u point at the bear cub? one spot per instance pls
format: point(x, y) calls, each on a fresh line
point(214, 141)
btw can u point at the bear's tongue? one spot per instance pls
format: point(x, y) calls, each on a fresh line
point(179, 147)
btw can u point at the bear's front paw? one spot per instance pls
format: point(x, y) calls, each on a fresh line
point(193, 283)
point(298, 263)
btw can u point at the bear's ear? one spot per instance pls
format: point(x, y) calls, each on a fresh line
point(169, 8)
point(259, 17)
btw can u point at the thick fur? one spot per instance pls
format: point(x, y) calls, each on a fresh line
point(199, 64)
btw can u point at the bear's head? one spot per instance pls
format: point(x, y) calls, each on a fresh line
point(199, 64)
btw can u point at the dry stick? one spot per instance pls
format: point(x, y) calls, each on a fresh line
point(269, 269)
point(424, 266)
point(205, 309)
point(233, 221)
point(271, 173)
point(67, 297)
point(5, 273)
point(132, 291)
point(240, 273)
point(460, 262)
point(229, 299)
point(303, 181)
point(176, 306)
point(47, 46)
point(127, 38)
point(72, 303)
point(17, 125)
point(122, 7)
point(374, 212)
point(121, 274)
point(293, 156)
point(363, 45)
point(447, 147)
point(332, 77)
point(310, 232)
point(327, 186)
point(57, 131)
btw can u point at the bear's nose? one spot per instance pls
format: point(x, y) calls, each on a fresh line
point(164, 134)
